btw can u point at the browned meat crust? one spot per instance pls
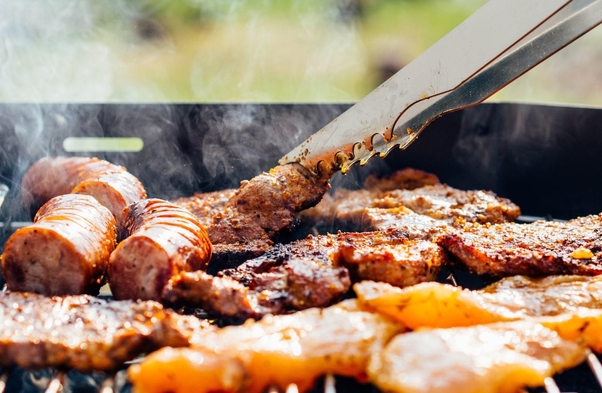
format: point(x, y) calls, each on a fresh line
point(85, 333)
point(295, 285)
point(537, 249)
point(313, 272)
point(65, 251)
point(267, 204)
point(110, 184)
point(204, 205)
point(165, 239)
point(382, 202)
point(403, 179)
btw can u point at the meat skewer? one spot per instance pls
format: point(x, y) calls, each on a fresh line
point(497, 358)
point(110, 184)
point(164, 240)
point(65, 251)
point(277, 351)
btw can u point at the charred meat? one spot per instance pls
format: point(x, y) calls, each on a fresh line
point(541, 248)
point(84, 332)
point(313, 272)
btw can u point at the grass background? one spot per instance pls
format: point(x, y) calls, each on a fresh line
point(246, 51)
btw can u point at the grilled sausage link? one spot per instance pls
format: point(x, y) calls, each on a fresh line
point(65, 251)
point(165, 239)
point(110, 184)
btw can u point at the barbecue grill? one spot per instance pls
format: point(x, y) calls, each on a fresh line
point(545, 158)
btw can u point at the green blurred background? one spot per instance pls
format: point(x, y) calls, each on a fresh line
point(246, 51)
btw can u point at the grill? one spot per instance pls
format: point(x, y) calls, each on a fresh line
point(544, 158)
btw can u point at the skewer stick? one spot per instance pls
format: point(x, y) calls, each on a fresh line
point(56, 384)
point(550, 385)
point(107, 385)
point(595, 366)
point(329, 384)
point(292, 388)
point(452, 278)
point(3, 379)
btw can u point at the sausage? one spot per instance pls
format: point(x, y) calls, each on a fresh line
point(165, 239)
point(110, 184)
point(65, 251)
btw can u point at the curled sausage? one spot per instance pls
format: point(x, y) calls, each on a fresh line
point(65, 251)
point(165, 239)
point(110, 184)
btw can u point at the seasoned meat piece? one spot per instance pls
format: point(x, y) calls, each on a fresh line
point(267, 204)
point(387, 256)
point(205, 205)
point(369, 210)
point(403, 179)
point(295, 285)
point(110, 184)
point(311, 272)
point(403, 264)
point(536, 249)
point(165, 239)
point(444, 202)
point(276, 351)
point(504, 357)
point(417, 226)
point(65, 251)
point(518, 297)
point(84, 332)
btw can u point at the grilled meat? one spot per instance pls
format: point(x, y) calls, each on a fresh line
point(295, 285)
point(535, 249)
point(276, 351)
point(165, 239)
point(313, 272)
point(110, 184)
point(519, 297)
point(84, 332)
point(504, 357)
point(388, 203)
point(403, 179)
point(267, 204)
point(65, 251)
point(204, 205)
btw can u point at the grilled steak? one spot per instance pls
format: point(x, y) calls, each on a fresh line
point(313, 272)
point(110, 184)
point(204, 205)
point(84, 332)
point(276, 351)
point(65, 251)
point(380, 205)
point(295, 285)
point(536, 249)
point(165, 239)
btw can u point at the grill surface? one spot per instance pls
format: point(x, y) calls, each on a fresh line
point(544, 158)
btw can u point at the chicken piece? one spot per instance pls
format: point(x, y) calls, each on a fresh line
point(441, 305)
point(86, 333)
point(496, 358)
point(65, 251)
point(276, 351)
point(540, 248)
point(164, 240)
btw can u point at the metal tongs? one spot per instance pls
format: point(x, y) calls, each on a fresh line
point(494, 46)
